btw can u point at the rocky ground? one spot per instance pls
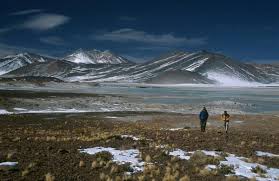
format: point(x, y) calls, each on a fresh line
point(46, 146)
point(35, 101)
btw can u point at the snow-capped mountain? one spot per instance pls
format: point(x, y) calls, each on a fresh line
point(95, 57)
point(173, 68)
point(13, 62)
point(270, 70)
point(56, 68)
point(210, 66)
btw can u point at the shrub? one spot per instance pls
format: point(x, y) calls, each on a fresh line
point(204, 172)
point(258, 170)
point(226, 169)
point(103, 156)
point(198, 158)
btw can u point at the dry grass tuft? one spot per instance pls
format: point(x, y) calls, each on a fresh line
point(16, 139)
point(148, 158)
point(141, 178)
point(114, 169)
point(243, 143)
point(232, 178)
point(94, 164)
point(31, 165)
point(49, 177)
point(11, 155)
point(261, 160)
point(254, 143)
point(185, 178)
point(81, 163)
point(118, 178)
point(25, 172)
point(204, 172)
point(253, 179)
point(102, 176)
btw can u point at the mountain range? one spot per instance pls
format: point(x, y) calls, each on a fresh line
point(201, 67)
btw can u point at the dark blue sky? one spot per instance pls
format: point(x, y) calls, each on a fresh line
point(245, 30)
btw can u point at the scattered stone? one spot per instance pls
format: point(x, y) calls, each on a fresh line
point(63, 151)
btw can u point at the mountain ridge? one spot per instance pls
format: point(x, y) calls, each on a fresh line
point(195, 67)
point(95, 56)
point(12, 62)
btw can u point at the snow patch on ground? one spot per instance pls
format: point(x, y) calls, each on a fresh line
point(243, 168)
point(10, 164)
point(173, 129)
point(184, 155)
point(130, 136)
point(3, 111)
point(211, 167)
point(180, 154)
point(111, 117)
point(240, 166)
point(211, 153)
point(130, 156)
point(261, 153)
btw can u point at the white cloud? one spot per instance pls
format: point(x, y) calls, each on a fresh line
point(40, 22)
point(26, 12)
point(52, 40)
point(45, 21)
point(132, 35)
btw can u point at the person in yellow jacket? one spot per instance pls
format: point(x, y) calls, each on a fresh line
point(226, 118)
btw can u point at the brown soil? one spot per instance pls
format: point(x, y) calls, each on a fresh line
point(44, 143)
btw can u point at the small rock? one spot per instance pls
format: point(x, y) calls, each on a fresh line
point(63, 151)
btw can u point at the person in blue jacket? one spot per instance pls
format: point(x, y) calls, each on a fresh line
point(203, 119)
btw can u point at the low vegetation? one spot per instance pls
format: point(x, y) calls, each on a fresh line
point(48, 149)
